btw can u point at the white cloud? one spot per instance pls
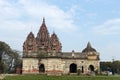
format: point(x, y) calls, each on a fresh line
point(56, 17)
point(110, 27)
point(8, 10)
point(20, 17)
point(30, 11)
point(12, 25)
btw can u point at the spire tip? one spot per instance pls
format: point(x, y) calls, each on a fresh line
point(43, 19)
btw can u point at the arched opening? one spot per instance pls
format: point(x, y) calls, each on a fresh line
point(91, 68)
point(73, 68)
point(82, 69)
point(41, 68)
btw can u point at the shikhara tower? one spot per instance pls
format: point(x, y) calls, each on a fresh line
point(43, 54)
point(43, 42)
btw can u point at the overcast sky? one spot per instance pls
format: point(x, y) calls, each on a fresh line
point(76, 22)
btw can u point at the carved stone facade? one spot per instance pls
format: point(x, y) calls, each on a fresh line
point(42, 54)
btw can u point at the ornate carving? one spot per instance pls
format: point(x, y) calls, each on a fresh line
point(43, 42)
point(30, 44)
point(55, 44)
point(43, 38)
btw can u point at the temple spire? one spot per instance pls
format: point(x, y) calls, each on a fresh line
point(55, 43)
point(43, 20)
point(54, 33)
point(43, 37)
point(89, 48)
point(43, 23)
point(88, 45)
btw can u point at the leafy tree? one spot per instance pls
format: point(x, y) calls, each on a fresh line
point(4, 49)
point(9, 59)
point(1, 67)
point(114, 66)
point(105, 66)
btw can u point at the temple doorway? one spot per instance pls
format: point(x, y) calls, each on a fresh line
point(91, 68)
point(41, 68)
point(73, 68)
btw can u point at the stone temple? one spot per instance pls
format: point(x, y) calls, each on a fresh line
point(43, 55)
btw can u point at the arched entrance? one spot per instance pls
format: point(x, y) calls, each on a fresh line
point(91, 68)
point(41, 68)
point(73, 68)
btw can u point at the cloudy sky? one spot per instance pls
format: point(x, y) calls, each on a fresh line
point(76, 22)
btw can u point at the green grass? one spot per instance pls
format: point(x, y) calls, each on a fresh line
point(44, 77)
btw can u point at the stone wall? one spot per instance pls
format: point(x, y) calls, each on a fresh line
point(53, 66)
point(58, 66)
point(30, 65)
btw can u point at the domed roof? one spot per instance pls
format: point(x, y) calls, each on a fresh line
point(89, 48)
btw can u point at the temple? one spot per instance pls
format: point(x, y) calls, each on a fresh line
point(43, 54)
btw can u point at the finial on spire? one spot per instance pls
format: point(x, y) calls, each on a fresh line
point(43, 20)
point(88, 45)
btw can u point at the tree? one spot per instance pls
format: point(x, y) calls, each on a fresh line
point(113, 67)
point(116, 67)
point(4, 49)
point(8, 58)
point(1, 67)
point(105, 66)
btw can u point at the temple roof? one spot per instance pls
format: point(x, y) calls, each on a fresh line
point(43, 26)
point(43, 34)
point(30, 35)
point(89, 48)
point(54, 36)
point(73, 55)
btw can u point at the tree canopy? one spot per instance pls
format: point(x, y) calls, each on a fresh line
point(9, 59)
point(113, 67)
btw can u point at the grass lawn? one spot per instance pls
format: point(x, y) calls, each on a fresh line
point(44, 77)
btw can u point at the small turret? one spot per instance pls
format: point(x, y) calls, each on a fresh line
point(89, 48)
point(30, 43)
point(92, 54)
point(55, 43)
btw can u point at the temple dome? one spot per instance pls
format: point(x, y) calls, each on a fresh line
point(89, 48)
